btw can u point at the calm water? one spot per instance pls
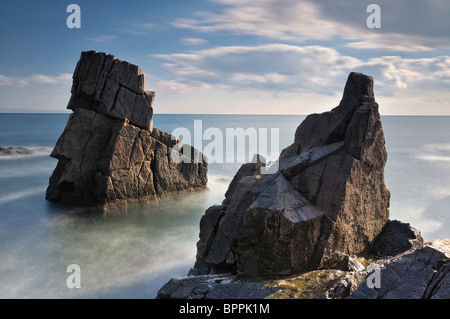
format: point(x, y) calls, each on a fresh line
point(132, 255)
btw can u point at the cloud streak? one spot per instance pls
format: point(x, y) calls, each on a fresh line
point(293, 68)
point(34, 79)
point(305, 20)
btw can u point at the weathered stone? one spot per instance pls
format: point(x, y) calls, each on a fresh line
point(112, 87)
point(109, 153)
point(282, 229)
point(349, 264)
point(395, 238)
point(317, 284)
point(249, 169)
point(326, 200)
point(221, 286)
point(420, 273)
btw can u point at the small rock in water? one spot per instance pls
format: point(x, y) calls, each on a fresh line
point(16, 151)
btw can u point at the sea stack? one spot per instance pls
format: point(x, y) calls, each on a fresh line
point(109, 152)
point(327, 199)
point(317, 226)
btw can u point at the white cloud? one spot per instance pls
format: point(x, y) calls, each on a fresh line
point(193, 41)
point(281, 67)
point(273, 67)
point(289, 20)
point(403, 27)
point(301, 74)
point(424, 75)
point(391, 42)
point(34, 79)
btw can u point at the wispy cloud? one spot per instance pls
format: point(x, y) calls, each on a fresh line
point(303, 20)
point(193, 41)
point(140, 29)
point(34, 79)
point(296, 20)
point(103, 38)
point(293, 68)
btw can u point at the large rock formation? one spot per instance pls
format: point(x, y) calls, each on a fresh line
point(318, 226)
point(326, 200)
point(109, 152)
point(422, 272)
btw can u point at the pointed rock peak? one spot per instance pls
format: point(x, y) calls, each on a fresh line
point(358, 90)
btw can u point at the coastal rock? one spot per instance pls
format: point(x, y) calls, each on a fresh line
point(317, 226)
point(109, 153)
point(420, 273)
point(317, 284)
point(113, 88)
point(395, 238)
point(8, 151)
point(327, 199)
point(220, 286)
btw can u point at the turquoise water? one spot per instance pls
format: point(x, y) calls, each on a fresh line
point(131, 255)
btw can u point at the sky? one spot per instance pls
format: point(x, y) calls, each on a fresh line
point(233, 56)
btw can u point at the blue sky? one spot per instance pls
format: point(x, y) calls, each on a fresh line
point(233, 56)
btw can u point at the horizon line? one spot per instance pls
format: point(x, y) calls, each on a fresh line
point(234, 114)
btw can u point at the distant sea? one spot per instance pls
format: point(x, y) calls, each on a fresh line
point(132, 254)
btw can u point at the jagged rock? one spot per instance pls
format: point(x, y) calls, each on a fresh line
point(109, 153)
point(349, 264)
point(395, 238)
point(420, 273)
point(317, 284)
point(326, 200)
point(249, 169)
point(325, 204)
point(221, 286)
point(112, 87)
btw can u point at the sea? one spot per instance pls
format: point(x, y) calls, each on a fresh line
point(131, 254)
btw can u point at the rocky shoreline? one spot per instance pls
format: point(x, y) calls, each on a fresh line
point(318, 225)
point(419, 273)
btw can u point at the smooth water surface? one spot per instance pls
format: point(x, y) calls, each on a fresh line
point(132, 254)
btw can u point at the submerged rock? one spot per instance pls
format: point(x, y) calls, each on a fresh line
point(12, 150)
point(109, 152)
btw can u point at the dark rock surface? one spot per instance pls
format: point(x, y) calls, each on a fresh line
point(326, 200)
point(420, 273)
point(318, 226)
point(12, 150)
point(109, 152)
point(395, 238)
point(113, 88)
